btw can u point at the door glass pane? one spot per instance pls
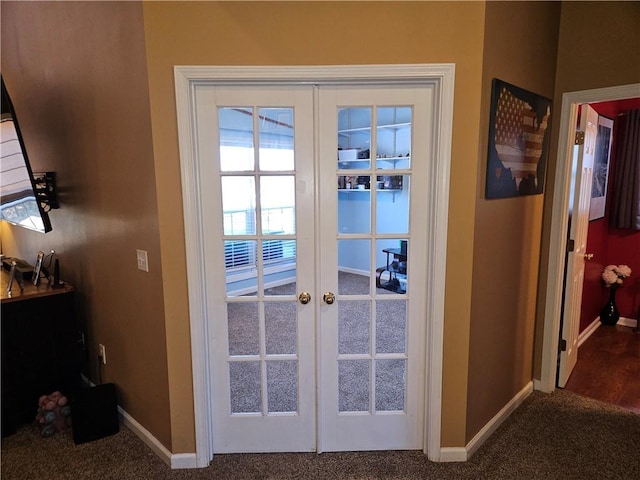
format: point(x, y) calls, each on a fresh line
point(390, 384)
point(282, 386)
point(392, 204)
point(391, 261)
point(240, 267)
point(354, 326)
point(275, 139)
point(354, 138)
point(243, 330)
point(281, 330)
point(239, 205)
point(236, 139)
point(391, 326)
point(353, 385)
point(393, 134)
point(279, 275)
point(245, 387)
point(354, 207)
point(277, 202)
point(354, 260)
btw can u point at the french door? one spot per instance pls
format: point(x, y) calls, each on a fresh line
point(315, 261)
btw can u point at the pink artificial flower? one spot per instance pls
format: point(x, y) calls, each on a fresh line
point(623, 271)
point(609, 276)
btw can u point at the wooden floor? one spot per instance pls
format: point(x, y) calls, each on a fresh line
point(608, 367)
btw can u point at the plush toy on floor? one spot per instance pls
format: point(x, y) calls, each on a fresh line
point(54, 414)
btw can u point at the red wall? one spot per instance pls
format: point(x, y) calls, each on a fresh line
point(611, 245)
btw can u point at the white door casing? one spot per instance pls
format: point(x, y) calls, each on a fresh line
point(584, 158)
point(441, 78)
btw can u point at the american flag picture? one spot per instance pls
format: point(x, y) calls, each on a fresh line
point(517, 141)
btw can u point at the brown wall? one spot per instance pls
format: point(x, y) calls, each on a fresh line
point(598, 47)
point(77, 75)
point(519, 48)
point(302, 33)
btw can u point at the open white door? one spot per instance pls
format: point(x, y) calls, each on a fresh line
point(579, 218)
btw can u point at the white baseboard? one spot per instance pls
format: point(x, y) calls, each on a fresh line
point(586, 333)
point(497, 420)
point(627, 322)
point(453, 454)
point(174, 460)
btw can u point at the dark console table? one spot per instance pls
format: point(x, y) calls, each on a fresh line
point(40, 348)
point(389, 276)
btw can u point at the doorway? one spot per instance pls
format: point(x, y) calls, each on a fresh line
point(559, 222)
point(438, 80)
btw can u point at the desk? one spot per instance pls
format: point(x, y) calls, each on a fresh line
point(395, 270)
point(40, 348)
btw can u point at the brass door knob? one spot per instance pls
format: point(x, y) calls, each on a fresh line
point(329, 298)
point(304, 297)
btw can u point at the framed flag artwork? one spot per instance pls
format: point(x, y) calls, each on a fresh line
point(519, 131)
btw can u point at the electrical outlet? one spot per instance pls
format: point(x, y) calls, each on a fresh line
point(102, 352)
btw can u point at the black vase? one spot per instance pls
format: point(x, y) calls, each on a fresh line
point(609, 314)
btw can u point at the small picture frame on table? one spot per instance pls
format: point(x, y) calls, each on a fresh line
point(35, 278)
point(12, 276)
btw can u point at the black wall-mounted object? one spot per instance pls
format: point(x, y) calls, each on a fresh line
point(25, 197)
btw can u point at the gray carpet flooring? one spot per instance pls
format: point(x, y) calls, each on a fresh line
point(550, 436)
point(358, 321)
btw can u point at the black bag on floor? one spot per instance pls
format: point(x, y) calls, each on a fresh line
point(94, 413)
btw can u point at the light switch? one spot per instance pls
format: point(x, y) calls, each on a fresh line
point(143, 262)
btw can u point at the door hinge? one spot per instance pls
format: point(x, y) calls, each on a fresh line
point(571, 245)
point(563, 345)
point(579, 140)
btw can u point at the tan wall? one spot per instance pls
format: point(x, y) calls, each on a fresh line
point(301, 33)
point(77, 76)
point(598, 47)
point(519, 48)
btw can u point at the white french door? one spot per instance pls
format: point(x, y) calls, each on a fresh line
point(314, 239)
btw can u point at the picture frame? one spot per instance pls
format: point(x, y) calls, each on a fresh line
point(35, 277)
point(601, 162)
point(12, 276)
point(519, 133)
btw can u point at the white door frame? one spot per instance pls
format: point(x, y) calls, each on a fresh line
point(560, 221)
point(442, 77)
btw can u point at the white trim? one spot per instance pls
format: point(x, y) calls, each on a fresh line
point(462, 454)
point(560, 221)
point(488, 430)
point(627, 322)
point(277, 283)
point(355, 271)
point(436, 257)
point(587, 332)
point(195, 274)
point(442, 76)
point(453, 454)
point(174, 460)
